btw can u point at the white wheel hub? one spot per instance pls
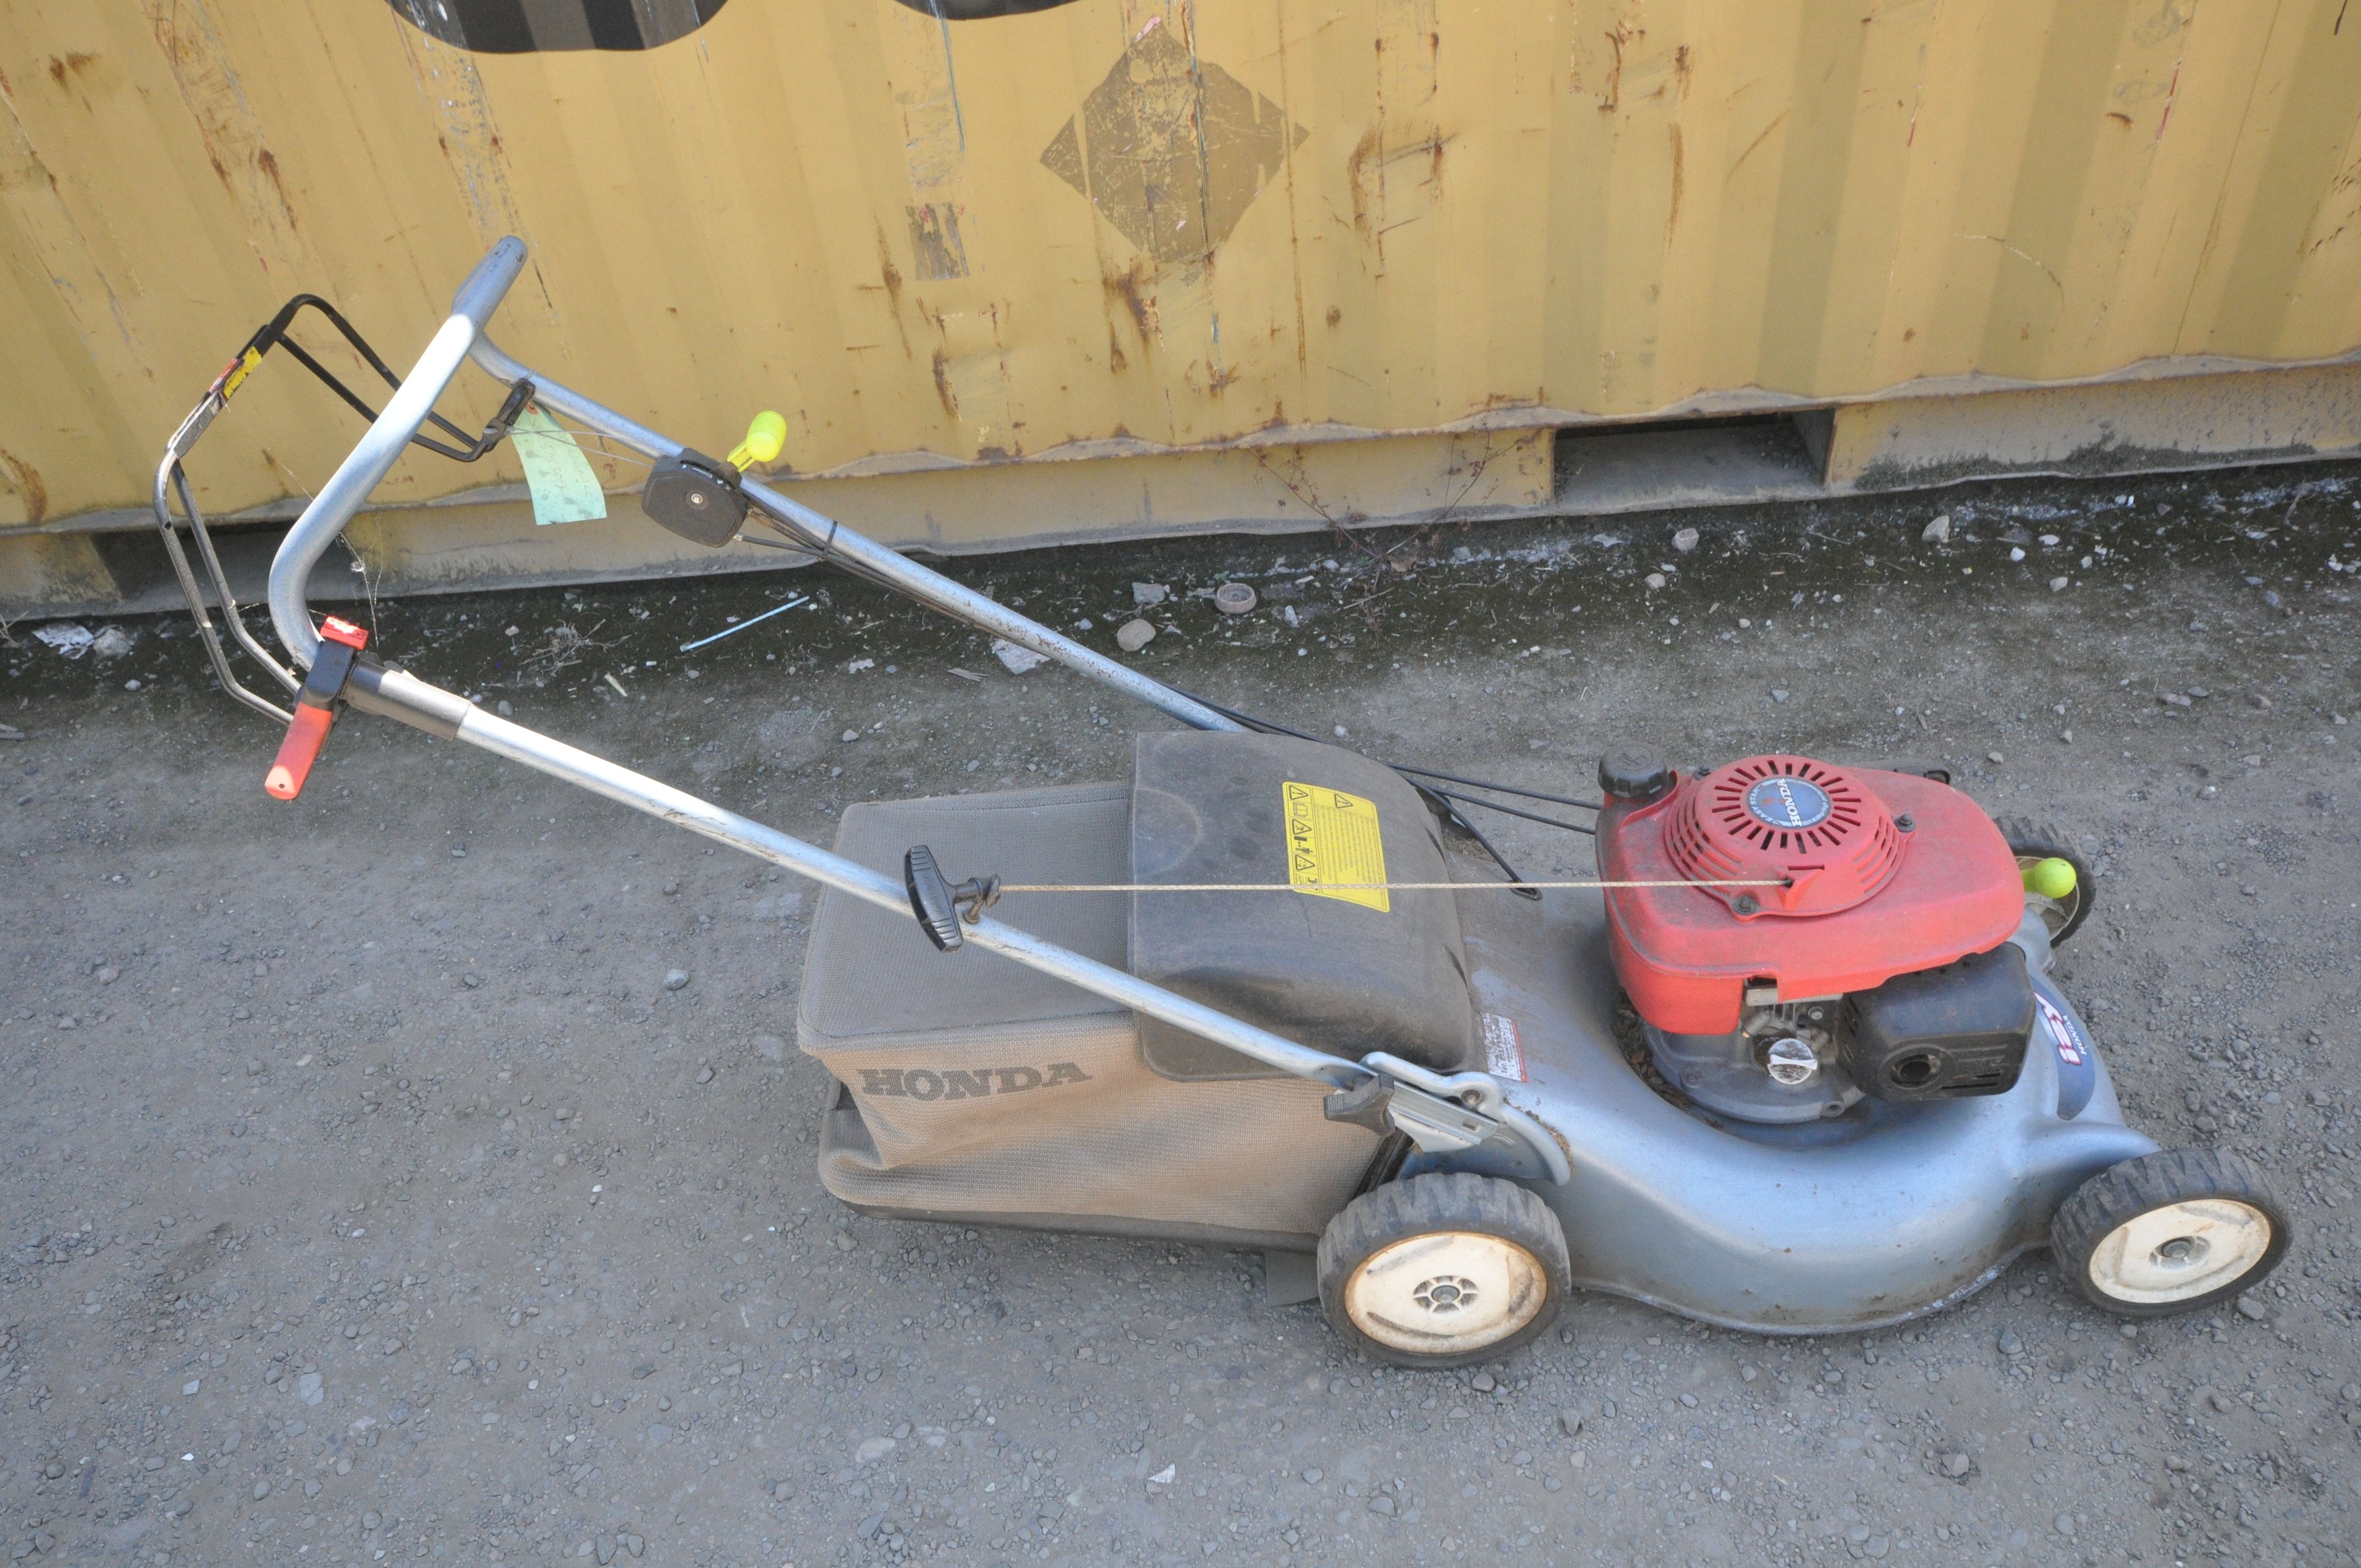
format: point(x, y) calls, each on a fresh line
point(1445, 1293)
point(2180, 1251)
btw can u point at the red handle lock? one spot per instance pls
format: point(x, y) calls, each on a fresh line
point(316, 708)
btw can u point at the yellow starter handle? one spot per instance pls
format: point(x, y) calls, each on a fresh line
point(765, 439)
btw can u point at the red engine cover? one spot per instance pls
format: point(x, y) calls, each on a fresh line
point(1865, 900)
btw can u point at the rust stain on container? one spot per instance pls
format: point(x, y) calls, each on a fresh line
point(200, 62)
point(889, 274)
point(265, 161)
point(1672, 208)
point(30, 489)
point(1611, 94)
point(1134, 287)
point(891, 277)
point(74, 62)
point(943, 384)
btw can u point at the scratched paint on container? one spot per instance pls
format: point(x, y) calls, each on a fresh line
point(934, 244)
point(925, 93)
point(971, 370)
point(469, 134)
point(42, 222)
point(1396, 169)
point(248, 170)
point(925, 79)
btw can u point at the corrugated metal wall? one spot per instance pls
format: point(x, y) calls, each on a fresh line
point(1122, 226)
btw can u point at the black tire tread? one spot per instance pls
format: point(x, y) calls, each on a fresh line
point(2123, 1192)
point(2039, 835)
point(1452, 1201)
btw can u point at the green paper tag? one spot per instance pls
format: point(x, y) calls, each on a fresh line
point(564, 487)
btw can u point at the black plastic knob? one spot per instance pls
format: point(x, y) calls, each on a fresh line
point(1634, 774)
point(932, 899)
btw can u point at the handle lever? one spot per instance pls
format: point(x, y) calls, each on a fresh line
point(307, 731)
point(316, 708)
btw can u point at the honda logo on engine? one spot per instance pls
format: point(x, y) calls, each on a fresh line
point(1788, 802)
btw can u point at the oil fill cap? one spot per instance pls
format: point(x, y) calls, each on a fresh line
point(1635, 773)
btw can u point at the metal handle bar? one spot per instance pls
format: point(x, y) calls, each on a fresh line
point(504, 737)
point(462, 336)
point(366, 465)
point(400, 695)
point(881, 564)
point(170, 478)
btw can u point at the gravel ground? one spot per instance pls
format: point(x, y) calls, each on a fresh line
point(421, 1171)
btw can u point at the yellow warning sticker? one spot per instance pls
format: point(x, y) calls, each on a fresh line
point(1333, 844)
point(234, 377)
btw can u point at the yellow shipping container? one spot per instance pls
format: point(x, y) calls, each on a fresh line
point(1158, 265)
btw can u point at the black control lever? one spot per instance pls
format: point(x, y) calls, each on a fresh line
point(940, 905)
point(696, 497)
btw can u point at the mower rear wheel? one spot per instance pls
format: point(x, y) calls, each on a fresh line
point(1442, 1270)
point(2033, 842)
point(2169, 1232)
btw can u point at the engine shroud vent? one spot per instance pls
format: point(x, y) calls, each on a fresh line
point(1772, 818)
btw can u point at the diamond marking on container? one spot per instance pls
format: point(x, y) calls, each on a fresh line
point(1171, 149)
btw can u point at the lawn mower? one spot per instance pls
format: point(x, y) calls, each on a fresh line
point(1794, 1061)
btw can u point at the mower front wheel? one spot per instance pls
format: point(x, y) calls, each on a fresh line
point(1442, 1270)
point(2169, 1233)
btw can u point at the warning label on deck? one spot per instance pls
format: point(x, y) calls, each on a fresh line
point(1334, 849)
point(1504, 1047)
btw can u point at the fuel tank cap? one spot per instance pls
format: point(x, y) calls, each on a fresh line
point(1636, 773)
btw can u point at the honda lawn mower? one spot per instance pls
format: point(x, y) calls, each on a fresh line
point(1794, 1061)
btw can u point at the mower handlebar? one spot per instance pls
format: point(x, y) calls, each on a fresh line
point(366, 465)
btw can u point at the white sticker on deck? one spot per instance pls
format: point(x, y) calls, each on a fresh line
point(1504, 1050)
